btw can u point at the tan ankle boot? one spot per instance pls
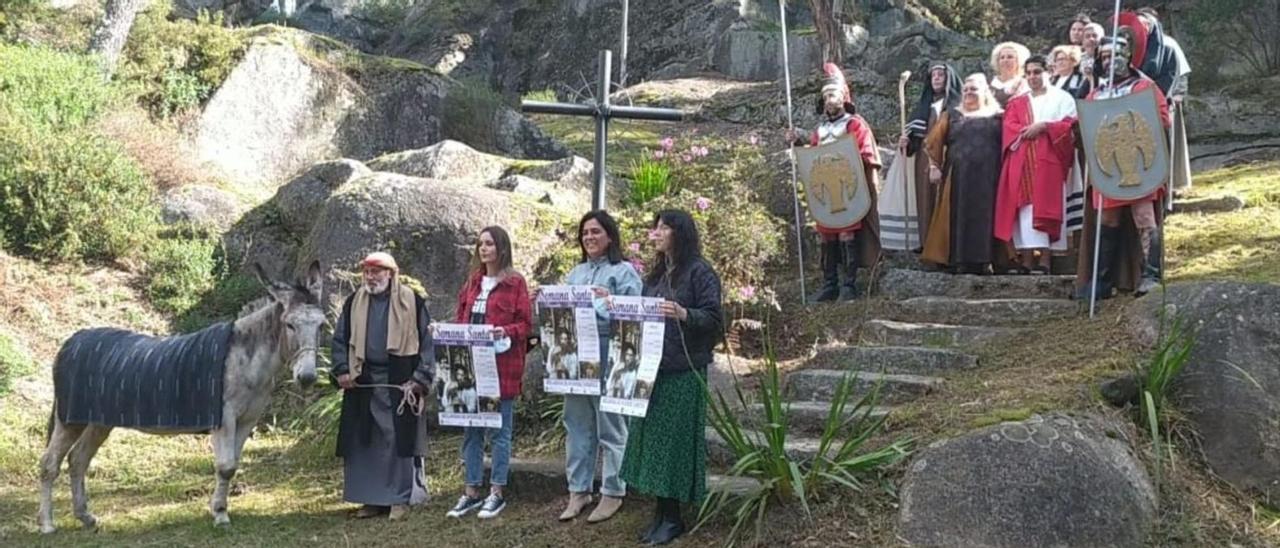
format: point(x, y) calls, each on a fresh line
point(577, 502)
point(399, 511)
point(606, 509)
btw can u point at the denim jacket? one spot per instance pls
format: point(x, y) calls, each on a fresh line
point(619, 278)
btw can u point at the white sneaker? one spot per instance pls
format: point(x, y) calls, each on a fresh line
point(464, 506)
point(492, 506)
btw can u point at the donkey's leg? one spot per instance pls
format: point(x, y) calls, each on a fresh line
point(225, 458)
point(78, 466)
point(60, 442)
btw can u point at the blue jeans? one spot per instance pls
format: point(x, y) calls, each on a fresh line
point(473, 439)
point(590, 431)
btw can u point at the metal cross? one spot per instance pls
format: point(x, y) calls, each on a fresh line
point(602, 111)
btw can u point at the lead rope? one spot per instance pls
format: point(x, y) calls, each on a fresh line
point(411, 400)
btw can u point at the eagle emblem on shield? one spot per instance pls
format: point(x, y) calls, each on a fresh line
point(1124, 144)
point(835, 183)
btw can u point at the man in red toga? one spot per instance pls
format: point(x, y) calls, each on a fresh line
point(1120, 247)
point(859, 243)
point(1039, 150)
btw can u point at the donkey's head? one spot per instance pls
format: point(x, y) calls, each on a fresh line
point(300, 316)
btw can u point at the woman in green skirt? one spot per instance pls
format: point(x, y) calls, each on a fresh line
point(666, 453)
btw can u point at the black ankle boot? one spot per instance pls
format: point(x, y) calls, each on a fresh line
point(1152, 264)
point(849, 289)
point(647, 534)
point(830, 289)
point(672, 525)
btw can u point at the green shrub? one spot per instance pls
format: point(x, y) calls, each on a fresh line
point(471, 113)
point(71, 195)
point(50, 89)
point(715, 180)
point(544, 95)
point(174, 65)
point(14, 362)
point(179, 271)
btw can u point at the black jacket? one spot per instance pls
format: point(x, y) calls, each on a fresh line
point(697, 289)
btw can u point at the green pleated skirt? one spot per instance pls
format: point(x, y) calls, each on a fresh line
point(667, 448)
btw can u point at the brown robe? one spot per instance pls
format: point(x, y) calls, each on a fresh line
point(926, 192)
point(961, 229)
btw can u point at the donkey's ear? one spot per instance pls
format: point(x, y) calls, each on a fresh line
point(315, 279)
point(261, 275)
point(266, 281)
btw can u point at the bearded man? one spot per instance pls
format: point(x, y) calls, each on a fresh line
point(382, 338)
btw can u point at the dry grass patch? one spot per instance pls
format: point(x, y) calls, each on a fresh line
point(1241, 245)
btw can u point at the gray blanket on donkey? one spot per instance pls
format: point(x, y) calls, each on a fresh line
point(121, 378)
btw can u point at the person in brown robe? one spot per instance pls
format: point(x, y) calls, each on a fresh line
point(964, 151)
point(941, 94)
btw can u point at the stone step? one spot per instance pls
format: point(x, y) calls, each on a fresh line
point(796, 447)
point(1212, 204)
point(983, 312)
point(911, 360)
point(808, 417)
point(900, 283)
point(536, 477)
point(821, 385)
point(932, 335)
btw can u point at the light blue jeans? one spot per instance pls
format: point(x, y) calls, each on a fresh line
point(589, 431)
point(473, 440)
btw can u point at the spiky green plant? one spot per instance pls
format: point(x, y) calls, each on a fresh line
point(842, 462)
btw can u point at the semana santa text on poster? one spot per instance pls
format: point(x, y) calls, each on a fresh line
point(634, 353)
point(466, 375)
point(573, 344)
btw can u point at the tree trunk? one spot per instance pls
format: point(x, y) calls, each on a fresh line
point(110, 36)
point(828, 26)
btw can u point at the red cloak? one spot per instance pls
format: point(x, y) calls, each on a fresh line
point(1035, 173)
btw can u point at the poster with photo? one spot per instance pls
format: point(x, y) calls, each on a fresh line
point(571, 338)
point(466, 375)
point(634, 353)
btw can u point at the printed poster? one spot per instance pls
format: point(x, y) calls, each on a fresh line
point(467, 375)
point(635, 350)
point(569, 332)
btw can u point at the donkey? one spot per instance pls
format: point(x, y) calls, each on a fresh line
point(283, 329)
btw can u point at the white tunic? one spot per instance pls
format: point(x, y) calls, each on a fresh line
point(1051, 106)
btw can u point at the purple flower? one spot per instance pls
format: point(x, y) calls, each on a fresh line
point(700, 151)
point(667, 143)
point(747, 292)
point(634, 247)
point(686, 157)
point(658, 154)
point(702, 203)
point(638, 265)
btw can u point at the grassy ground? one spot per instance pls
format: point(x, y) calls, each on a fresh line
point(1241, 245)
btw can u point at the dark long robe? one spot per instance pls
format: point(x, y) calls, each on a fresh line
point(926, 192)
point(382, 450)
point(962, 228)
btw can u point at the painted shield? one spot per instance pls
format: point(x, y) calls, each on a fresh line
point(1124, 144)
point(835, 183)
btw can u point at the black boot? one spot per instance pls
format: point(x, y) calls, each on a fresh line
point(672, 525)
point(830, 273)
point(1152, 264)
point(849, 289)
point(647, 534)
point(1107, 245)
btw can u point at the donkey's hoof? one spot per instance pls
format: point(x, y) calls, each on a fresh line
point(221, 519)
point(90, 522)
point(48, 529)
